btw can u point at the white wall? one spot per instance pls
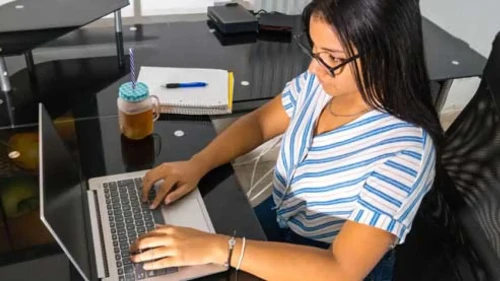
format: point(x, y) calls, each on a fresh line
point(155, 7)
point(475, 22)
point(291, 7)
point(3, 2)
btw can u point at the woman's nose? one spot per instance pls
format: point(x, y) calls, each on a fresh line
point(314, 67)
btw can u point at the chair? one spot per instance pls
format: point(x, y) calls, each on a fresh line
point(456, 233)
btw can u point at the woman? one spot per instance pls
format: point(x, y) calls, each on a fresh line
point(360, 139)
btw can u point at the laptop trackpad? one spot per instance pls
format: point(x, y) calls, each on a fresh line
point(187, 212)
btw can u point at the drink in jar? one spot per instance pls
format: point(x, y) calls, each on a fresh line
point(138, 110)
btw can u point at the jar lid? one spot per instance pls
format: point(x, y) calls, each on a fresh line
point(128, 93)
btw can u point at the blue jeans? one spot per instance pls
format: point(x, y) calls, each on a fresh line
point(267, 217)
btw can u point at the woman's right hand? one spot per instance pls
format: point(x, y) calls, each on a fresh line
point(179, 178)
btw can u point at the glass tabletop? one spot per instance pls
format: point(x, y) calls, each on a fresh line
point(262, 65)
point(82, 74)
point(99, 149)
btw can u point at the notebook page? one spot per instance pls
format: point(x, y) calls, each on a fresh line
point(213, 95)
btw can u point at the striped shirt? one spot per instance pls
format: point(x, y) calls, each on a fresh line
point(374, 170)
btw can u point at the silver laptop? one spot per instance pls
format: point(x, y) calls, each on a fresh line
point(96, 221)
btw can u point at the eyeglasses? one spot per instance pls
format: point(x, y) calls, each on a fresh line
point(331, 64)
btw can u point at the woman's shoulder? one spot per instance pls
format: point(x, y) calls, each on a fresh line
point(298, 91)
point(403, 135)
point(376, 133)
point(302, 83)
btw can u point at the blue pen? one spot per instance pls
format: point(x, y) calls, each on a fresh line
point(186, 85)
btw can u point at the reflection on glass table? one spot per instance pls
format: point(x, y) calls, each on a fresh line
point(99, 149)
point(20, 227)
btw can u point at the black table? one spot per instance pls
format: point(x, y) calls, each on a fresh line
point(100, 150)
point(27, 24)
point(88, 87)
point(266, 62)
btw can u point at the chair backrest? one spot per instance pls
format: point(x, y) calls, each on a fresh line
point(471, 158)
point(456, 233)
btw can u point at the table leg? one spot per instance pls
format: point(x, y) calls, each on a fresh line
point(6, 104)
point(6, 225)
point(30, 64)
point(4, 77)
point(119, 37)
point(443, 94)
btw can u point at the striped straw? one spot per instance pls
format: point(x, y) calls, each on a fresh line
point(132, 67)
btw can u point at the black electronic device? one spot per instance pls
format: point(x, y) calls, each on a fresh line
point(233, 18)
point(276, 22)
point(233, 39)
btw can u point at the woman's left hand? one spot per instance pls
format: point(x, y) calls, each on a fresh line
point(170, 246)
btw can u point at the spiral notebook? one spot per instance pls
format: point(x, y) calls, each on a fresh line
point(214, 99)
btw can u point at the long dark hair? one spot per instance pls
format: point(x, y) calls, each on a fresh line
point(388, 36)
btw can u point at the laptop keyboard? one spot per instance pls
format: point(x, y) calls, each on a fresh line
point(129, 218)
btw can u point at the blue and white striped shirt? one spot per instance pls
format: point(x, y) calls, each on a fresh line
point(374, 170)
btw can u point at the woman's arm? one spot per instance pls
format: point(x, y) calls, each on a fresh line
point(244, 135)
point(355, 252)
point(241, 137)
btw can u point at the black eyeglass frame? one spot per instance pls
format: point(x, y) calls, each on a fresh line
point(312, 55)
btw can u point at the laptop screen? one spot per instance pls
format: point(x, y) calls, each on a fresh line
point(62, 195)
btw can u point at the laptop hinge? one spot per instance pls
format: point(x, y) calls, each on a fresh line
point(100, 250)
